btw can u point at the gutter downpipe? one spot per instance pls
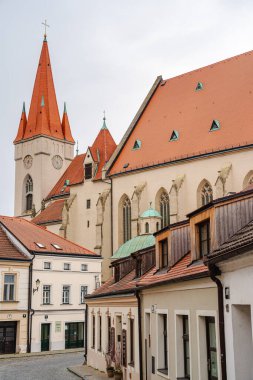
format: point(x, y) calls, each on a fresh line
point(29, 316)
point(214, 271)
point(137, 294)
point(86, 335)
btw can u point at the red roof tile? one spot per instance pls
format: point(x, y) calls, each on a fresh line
point(29, 234)
point(8, 250)
point(52, 213)
point(176, 105)
point(44, 118)
point(183, 268)
point(74, 173)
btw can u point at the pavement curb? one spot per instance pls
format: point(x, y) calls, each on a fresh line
point(45, 353)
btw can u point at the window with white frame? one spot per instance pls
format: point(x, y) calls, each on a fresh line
point(47, 265)
point(84, 292)
point(99, 332)
point(182, 346)
point(84, 267)
point(66, 266)
point(9, 287)
point(46, 298)
point(162, 349)
point(93, 331)
point(65, 294)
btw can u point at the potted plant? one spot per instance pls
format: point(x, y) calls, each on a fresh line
point(109, 367)
point(118, 374)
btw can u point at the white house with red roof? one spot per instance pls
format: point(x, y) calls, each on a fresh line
point(62, 273)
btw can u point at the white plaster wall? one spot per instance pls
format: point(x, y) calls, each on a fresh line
point(56, 311)
point(194, 170)
point(96, 358)
point(238, 277)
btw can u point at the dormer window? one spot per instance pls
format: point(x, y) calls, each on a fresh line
point(88, 171)
point(215, 125)
point(199, 86)
point(137, 144)
point(204, 238)
point(164, 258)
point(174, 136)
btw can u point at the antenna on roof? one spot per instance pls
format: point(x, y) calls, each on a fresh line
point(77, 150)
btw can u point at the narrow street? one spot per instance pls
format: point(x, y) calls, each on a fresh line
point(49, 367)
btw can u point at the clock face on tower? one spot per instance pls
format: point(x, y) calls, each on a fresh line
point(57, 162)
point(28, 161)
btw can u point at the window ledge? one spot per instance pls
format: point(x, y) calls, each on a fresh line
point(183, 378)
point(46, 304)
point(69, 304)
point(163, 372)
point(7, 301)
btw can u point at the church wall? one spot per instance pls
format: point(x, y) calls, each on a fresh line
point(42, 171)
point(81, 227)
point(194, 171)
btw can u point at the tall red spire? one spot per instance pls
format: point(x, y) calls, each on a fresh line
point(49, 123)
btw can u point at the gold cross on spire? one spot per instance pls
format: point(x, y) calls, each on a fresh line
point(46, 26)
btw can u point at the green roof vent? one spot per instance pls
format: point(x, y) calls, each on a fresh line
point(215, 125)
point(199, 86)
point(174, 136)
point(137, 145)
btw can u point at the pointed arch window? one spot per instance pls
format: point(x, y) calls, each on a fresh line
point(206, 193)
point(165, 209)
point(29, 193)
point(146, 228)
point(126, 220)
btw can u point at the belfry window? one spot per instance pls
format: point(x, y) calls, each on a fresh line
point(29, 193)
point(165, 209)
point(126, 220)
point(206, 194)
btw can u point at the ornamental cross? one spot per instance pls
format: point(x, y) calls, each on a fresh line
point(46, 26)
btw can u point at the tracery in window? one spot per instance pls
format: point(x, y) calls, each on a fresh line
point(206, 193)
point(165, 209)
point(126, 210)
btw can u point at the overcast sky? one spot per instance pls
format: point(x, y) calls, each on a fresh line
point(105, 55)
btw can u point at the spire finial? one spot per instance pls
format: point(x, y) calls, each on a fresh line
point(42, 101)
point(104, 123)
point(77, 150)
point(65, 108)
point(23, 109)
point(46, 26)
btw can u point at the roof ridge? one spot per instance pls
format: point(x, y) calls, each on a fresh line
point(48, 231)
point(225, 60)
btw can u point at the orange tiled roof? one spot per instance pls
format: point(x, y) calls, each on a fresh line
point(29, 234)
point(8, 250)
point(52, 213)
point(105, 145)
point(181, 270)
point(128, 282)
point(175, 104)
point(44, 118)
point(74, 173)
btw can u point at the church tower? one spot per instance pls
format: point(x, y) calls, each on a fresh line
point(44, 146)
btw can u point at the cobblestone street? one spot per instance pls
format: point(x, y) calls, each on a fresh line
point(49, 367)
